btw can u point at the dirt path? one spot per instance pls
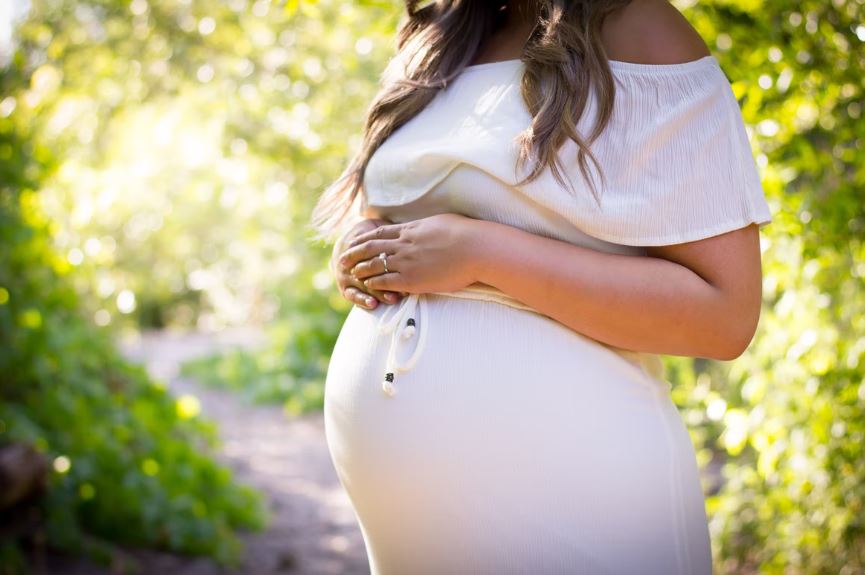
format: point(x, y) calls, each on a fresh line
point(313, 529)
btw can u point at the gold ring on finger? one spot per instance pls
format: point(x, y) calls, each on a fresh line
point(383, 257)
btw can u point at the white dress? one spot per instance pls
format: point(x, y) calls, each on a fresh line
point(506, 442)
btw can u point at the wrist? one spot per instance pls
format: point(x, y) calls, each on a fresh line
point(484, 242)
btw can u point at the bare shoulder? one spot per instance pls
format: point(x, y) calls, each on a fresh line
point(651, 32)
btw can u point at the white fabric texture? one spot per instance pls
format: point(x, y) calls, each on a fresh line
point(676, 154)
point(477, 437)
point(512, 446)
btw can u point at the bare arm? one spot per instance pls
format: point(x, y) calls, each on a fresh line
point(700, 299)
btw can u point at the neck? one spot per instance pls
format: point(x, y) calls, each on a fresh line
point(522, 12)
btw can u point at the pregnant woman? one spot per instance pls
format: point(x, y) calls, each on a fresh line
point(553, 194)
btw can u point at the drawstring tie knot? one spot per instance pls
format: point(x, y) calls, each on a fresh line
point(392, 322)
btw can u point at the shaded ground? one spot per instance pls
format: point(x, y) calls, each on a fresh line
point(313, 530)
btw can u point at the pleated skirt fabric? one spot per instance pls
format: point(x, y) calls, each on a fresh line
point(514, 445)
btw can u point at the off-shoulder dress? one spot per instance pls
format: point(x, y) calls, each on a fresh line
point(505, 442)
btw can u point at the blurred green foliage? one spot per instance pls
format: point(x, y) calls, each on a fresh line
point(192, 138)
point(130, 463)
point(189, 140)
point(788, 415)
point(289, 369)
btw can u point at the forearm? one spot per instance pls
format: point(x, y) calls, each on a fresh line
point(639, 303)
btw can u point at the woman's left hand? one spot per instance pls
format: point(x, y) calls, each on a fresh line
point(437, 253)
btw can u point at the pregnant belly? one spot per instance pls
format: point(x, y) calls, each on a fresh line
point(508, 422)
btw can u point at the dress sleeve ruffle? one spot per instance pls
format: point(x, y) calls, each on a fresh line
point(677, 157)
point(675, 154)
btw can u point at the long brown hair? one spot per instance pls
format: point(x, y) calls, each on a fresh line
point(564, 58)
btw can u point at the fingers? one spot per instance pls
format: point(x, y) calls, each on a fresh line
point(363, 251)
point(354, 291)
point(342, 242)
point(371, 267)
point(388, 281)
point(357, 297)
point(360, 227)
point(381, 295)
point(369, 300)
point(361, 264)
point(350, 284)
point(387, 296)
point(387, 231)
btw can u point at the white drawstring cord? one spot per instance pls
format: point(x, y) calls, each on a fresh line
point(388, 323)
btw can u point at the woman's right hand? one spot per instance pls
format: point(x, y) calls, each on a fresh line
point(350, 287)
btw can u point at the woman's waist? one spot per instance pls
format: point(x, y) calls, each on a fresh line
point(651, 363)
point(484, 292)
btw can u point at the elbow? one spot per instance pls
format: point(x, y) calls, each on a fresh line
point(737, 338)
point(732, 350)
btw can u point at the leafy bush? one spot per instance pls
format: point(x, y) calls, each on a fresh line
point(788, 415)
point(131, 464)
